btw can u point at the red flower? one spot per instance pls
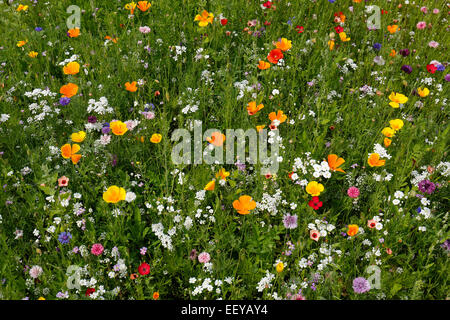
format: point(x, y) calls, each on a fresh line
point(144, 268)
point(266, 23)
point(89, 291)
point(431, 68)
point(383, 11)
point(223, 21)
point(275, 55)
point(315, 203)
point(339, 29)
point(300, 29)
point(267, 4)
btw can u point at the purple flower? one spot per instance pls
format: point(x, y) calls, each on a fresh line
point(377, 46)
point(446, 245)
point(361, 285)
point(290, 222)
point(406, 68)
point(447, 77)
point(426, 186)
point(404, 52)
point(193, 255)
point(440, 67)
point(38, 29)
point(64, 237)
point(92, 119)
point(64, 101)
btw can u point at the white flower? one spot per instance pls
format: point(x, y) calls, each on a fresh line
point(130, 196)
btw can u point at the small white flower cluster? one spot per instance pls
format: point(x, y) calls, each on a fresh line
point(39, 93)
point(71, 59)
point(40, 111)
point(374, 252)
point(270, 202)
point(349, 64)
point(166, 240)
point(208, 285)
point(207, 77)
point(265, 282)
point(203, 216)
point(398, 196)
point(243, 88)
point(190, 100)
point(417, 177)
point(443, 168)
point(377, 148)
point(100, 107)
point(307, 166)
point(385, 177)
point(322, 226)
point(4, 117)
point(199, 54)
point(179, 50)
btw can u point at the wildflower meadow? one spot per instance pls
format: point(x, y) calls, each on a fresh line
point(235, 150)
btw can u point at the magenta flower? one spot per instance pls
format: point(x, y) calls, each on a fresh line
point(353, 192)
point(97, 249)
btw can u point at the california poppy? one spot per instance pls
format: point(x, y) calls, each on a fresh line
point(118, 127)
point(423, 92)
point(210, 186)
point(352, 230)
point(393, 28)
point(314, 188)
point(334, 162)
point(156, 138)
point(204, 18)
point(143, 5)
point(114, 194)
point(216, 139)
point(222, 174)
point(244, 204)
point(284, 44)
point(397, 99)
point(71, 68)
point(252, 108)
point(263, 65)
point(131, 86)
point(73, 33)
point(374, 160)
point(69, 90)
point(78, 136)
point(279, 116)
point(69, 151)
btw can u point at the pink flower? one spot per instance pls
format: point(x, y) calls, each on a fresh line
point(97, 249)
point(424, 9)
point(371, 224)
point(353, 192)
point(435, 11)
point(204, 257)
point(433, 44)
point(35, 271)
point(421, 25)
point(63, 181)
point(144, 29)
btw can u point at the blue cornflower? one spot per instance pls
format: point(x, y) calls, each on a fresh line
point(64, 101)
point(38, 29)
point(377, 46)
point(64, 237)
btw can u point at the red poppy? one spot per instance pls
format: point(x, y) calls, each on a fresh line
point(315, 203)
point(290, 174)
point(89, 291)
point(267, 4)
point(223, 21)
point(300, 29)
point(431, 68)
point(275, 55)
point(144, 268)
point(266, 23)
point(383, 11)
point(339, 29)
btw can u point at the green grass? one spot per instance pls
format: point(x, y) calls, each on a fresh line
point(346, 122)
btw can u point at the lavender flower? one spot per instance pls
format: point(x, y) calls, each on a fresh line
point(361, 285)
point(64, 101)
point(406, 68)
point(426, 186)
point(290, 222)
point(377, 46)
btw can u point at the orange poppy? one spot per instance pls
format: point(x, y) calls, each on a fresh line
point(144, 5)
point(374, 160)
point(252, 108)
point(72, 68)
point(244, 204)
point(114, 194)
point(275, 55)
point(393, 28)
point(69, 151)
point(131, 86)
point(210, 186)
point(284, 44)
point(263, 65)
point(69, 90)
point(387, 142)
point(156, 295)
point(216, 139)
point(118, 128)
point(73, 33)
point(352, 230)
point(280, 116)
point(334, 162)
